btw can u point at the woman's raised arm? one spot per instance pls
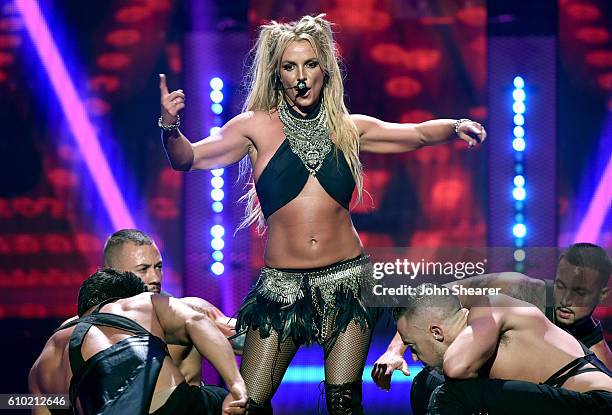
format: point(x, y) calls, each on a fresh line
point(229, 145)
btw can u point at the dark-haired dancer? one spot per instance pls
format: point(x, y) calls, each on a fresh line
point(133, 250)
point(113, 359)
point(581, 283)
point(502, 356)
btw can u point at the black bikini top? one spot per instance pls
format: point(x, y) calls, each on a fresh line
point(120, 379)
point(285, 176)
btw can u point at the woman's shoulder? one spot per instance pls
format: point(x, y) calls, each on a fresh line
point(256, 117)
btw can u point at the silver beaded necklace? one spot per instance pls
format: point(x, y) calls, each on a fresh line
point(309, 139)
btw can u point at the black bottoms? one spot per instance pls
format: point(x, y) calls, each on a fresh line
point(188, 399)
point(511, 397)
point(423, 385)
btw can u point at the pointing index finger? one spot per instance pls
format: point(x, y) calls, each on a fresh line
point(162, 84)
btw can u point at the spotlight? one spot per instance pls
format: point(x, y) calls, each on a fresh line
point(216, 83)
point(519, 230)
point(217, 207)
point(519, 119)
point(517, 107)
point(519, 255)
point(217, 256)
point(519, 180)
point(518, 144)
point(217, 231)
point(519, 193)
point(519, 132)
point(216, 108)
point(518, 95)
point(518, 82)
point(217, 182)
point(216, 97)
point(217, 244)
point(217, 268)
point(217, 195)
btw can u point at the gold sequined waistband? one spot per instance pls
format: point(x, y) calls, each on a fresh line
point(288, 286)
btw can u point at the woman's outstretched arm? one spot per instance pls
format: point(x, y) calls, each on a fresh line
point(378, 136)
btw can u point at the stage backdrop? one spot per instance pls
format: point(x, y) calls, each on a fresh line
point(81, 153)
point(75, 151)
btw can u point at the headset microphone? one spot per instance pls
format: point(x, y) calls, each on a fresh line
point(301, 88)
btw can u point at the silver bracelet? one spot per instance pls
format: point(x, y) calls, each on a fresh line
point(459, 122)
point(169, 127)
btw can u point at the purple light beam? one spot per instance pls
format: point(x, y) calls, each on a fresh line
point(598, 208)
point(75, 114)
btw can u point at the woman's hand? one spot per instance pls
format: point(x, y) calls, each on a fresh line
point(171, 102)
point(471, 132)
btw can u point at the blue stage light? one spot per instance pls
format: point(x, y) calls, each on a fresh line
point(518, 144)
point(519, 193)
point(518, 107)
point(216, 108)
point(216, 83)
point(519, 230)
point(217, 268)
point(217, 256)
point(217, 231)
point(217, 182)
point(216, 96)
point(519, 82)
point(217, 207)
point(217, 244)
point(217, 195)
point(519, 180)
point(519, 119)
point(518, 95)
point(519, 255)
point(519, 218)
point(519, 132)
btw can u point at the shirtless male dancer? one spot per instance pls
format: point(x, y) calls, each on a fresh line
point(113, 359)
point(133, 250)
point(501, 356)
point(568, 301)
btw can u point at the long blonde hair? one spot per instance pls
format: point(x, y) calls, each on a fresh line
point(263, 96)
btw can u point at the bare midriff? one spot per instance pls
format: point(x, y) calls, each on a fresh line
point(310, 231)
